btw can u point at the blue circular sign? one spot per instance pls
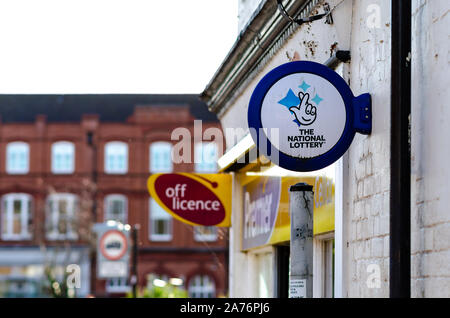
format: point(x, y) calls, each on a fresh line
point(303, 116)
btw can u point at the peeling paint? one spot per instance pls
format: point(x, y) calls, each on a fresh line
point(310, 47)
point(333, 48)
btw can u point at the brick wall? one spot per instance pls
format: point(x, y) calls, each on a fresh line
point(367, 163)
point(145, 126)
point(366, 214)
point(430, 185)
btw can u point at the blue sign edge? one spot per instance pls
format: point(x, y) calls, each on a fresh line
point(358, 115)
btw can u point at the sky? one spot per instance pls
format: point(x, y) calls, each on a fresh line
point(113, 46)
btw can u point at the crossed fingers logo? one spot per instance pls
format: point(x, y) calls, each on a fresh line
point(305, 112)
point(301, 105)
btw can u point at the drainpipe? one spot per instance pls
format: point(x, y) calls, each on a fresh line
point(301, 198)
point(92, 143)
point(400, 194)
point(134, 261)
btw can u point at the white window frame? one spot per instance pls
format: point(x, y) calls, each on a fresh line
point(202, 164)
point(63, 147)
point(7, 217)
point(115, 197)
point(198, 290)
point(159, 237)
point(201, 237)
point(17, 147)
point(323, 286)
point(264, 261)
point(119, 285)
point(163, 147)
point(52, 216)
point(116, 148)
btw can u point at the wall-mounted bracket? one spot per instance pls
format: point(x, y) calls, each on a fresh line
point(362, 107)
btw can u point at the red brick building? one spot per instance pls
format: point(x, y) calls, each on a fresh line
point(68, 161)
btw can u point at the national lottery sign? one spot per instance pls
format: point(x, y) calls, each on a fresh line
point(303, 116)
point(195, 199)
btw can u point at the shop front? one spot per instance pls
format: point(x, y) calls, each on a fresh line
point(23, 270)
point(261, 229)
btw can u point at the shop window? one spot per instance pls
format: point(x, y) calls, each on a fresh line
point(160, 223)
point(116, 157)
point(17, 157)
point(206, 157)
point(205, 233)
point(61, 220)
point(63, 157)
point(16, 216)
point(265, 264)
point(201, 286)
point(20, 287)
point(117, 285)
point(116, 208)
point(160, 157)
point(328, 268)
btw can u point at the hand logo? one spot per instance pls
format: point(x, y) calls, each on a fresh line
point(305, 113)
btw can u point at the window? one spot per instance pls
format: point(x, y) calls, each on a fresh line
point(328, 269)
point(206, 157)
point(17, 157)
point(205, 233)
point(201, 286)
point(63, 157)
point(160, 157)
point(116, 208)
point(16, 216)
point(323, 270)
point(264, 274)
point(116, 157)
point(160, 223)
point(61, 212)
point(153, 276)
point(117, 285)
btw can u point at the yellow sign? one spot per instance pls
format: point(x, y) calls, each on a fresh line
point(195, 199)
point(323, 217)
point(266, 218)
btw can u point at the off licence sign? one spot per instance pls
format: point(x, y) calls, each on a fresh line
point(195, 199)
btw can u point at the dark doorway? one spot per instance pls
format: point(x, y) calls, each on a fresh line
point(282, 271)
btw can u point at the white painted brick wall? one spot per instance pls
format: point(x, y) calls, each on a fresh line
point(430, 242)
point(441, 237)
point(366, 198)
point(368, 160)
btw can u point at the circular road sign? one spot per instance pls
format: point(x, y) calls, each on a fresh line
point(113, 245)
